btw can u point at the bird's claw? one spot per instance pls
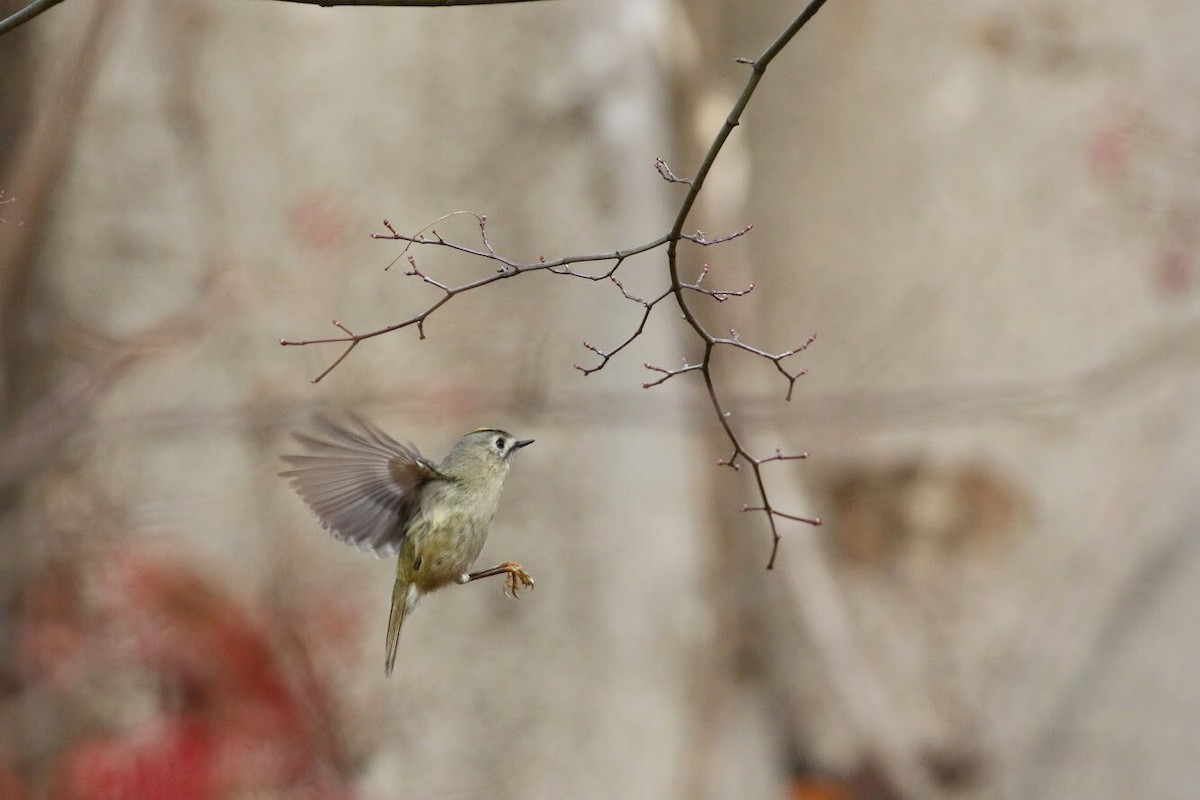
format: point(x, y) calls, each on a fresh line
point(516, 580)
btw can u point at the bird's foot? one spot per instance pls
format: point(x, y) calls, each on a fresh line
point(516, 579)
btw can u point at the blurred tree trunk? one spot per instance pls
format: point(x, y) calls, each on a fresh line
point(981, 209)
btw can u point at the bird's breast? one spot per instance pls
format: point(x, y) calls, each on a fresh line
point(444, 539)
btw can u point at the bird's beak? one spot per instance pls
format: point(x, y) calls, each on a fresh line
point(519, 443)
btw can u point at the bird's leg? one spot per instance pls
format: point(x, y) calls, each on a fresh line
point(518, 578)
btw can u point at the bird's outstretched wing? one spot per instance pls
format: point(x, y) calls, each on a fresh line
point(362, 484)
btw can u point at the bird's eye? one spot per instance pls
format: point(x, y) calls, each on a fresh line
point(500, 443)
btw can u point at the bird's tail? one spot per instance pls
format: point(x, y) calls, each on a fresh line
point(404, 600)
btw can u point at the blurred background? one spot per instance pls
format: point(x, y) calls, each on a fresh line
point(988, 212)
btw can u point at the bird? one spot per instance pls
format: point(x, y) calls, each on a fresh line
point(381, 495)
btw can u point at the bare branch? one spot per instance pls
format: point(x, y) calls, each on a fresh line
point(628, 296)
point(774, 358)
point(667, 374)
point(779, 456)
point(613, 260)
point(559, 266)
point(731, 462)
point(758, 69)
point(25, 14)
point(720, 295)
point(700, 238)
point(404, 3)
point(776, 512)
point(415, 271)
point(667, 175)
point(509, 268)
point(606, 356)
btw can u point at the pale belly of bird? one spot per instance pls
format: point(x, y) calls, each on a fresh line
point(443, 548)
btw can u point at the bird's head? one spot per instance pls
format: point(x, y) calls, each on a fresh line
point(486, 452)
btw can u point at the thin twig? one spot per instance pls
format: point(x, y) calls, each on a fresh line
point(606, 355)
point(667, 174)
point(720, 295)
point(699, 237)
point(667, 374)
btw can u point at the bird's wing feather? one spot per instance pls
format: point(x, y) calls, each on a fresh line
point(362, 484)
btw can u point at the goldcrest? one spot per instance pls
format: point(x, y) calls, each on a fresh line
point(381, 495)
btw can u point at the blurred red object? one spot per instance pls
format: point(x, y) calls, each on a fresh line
point(239, 710)
point(171, 763)
point(11, 785)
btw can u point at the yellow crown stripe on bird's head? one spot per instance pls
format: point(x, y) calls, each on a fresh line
point(487, 430)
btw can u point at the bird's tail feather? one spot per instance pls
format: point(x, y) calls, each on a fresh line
point(404, 600)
